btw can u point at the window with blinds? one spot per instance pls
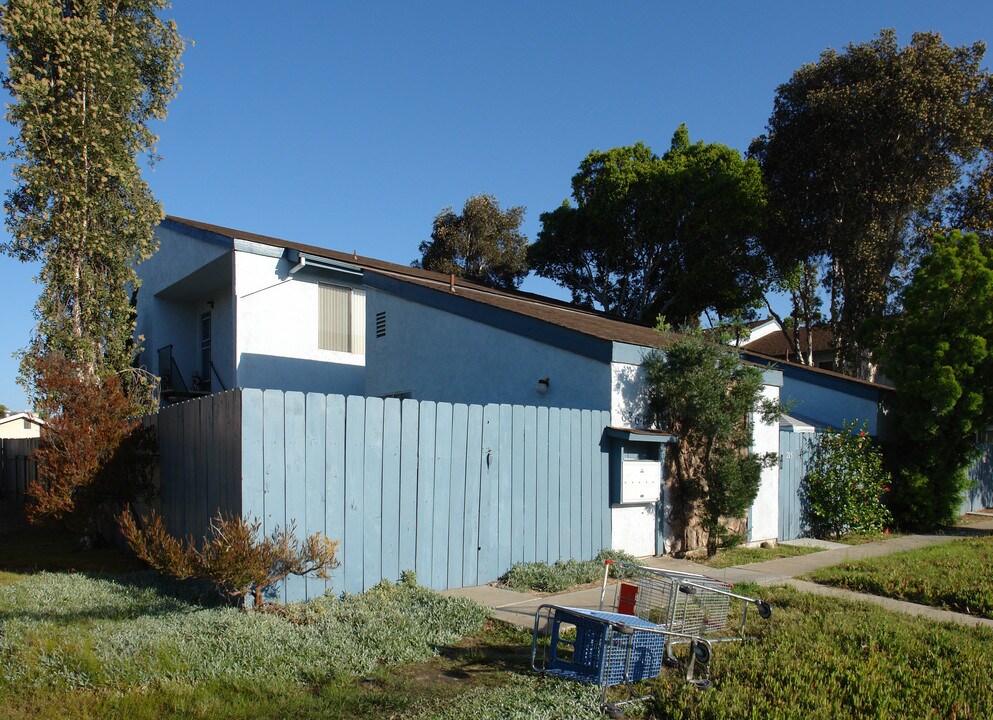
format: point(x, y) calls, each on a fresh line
point(340, 319)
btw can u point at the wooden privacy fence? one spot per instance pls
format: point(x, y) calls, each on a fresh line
point(17, 467)
point(457, 493)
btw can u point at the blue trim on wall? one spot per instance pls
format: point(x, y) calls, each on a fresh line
point(832, 382)
point(523, 325)
point(197, 233)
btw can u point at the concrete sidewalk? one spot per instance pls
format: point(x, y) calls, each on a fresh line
point(519, 608)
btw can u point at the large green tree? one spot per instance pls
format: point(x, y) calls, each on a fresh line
point(938, 355)
point(860, 149)
point(482, 243)
point(86, 78)
point(650, 235)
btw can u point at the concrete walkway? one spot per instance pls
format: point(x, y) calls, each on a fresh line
point(519, 608)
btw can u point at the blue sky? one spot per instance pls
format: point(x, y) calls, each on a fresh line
point(350, 125)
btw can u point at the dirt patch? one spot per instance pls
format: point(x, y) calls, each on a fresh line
point(486, 659)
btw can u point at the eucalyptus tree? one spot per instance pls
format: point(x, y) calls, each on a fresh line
point(861, 148)
point(483, 243)
point(86, 78)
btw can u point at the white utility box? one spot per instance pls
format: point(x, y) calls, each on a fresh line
point(641, 481)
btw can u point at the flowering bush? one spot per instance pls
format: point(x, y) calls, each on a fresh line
point(845, 485)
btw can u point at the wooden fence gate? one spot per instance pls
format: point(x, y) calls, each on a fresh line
point(794, 454)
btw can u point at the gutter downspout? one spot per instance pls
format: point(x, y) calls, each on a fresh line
point(301, 263)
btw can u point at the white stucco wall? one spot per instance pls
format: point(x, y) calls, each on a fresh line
point(437, 355)
point(277, 329)
point(764, 513)
point(178, 284)
point(633, 529)
point(627, 399)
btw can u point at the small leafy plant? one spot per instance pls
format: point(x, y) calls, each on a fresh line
point(845, 485)
point(559, 576)
point(235, 557)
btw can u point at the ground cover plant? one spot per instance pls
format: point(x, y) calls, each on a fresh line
point(137, 642)
point(562, 575)
point(746, 555)
point(953, 575)
point(136, 646)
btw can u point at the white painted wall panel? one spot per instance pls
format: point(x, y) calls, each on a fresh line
point(764, 513)
point(277, 330)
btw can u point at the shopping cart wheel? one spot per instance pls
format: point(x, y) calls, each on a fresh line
point(688, 589)
point(701, 651)
point(765, 609)
point(611, 710)
point(702, 684)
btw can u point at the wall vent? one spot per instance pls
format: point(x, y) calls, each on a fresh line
point(381, 324)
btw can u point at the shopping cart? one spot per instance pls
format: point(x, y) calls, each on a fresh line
point(685, 603)
point(651, 619)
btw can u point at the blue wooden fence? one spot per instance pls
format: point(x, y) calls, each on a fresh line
point(457, 493)
point(200, 453)
point(794, 457)
point(980, 494)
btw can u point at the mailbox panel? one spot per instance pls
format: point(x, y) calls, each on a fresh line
point(641, 481)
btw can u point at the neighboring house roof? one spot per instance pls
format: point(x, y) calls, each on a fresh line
point(22, 416)
point(774, 344)
point(788, 365)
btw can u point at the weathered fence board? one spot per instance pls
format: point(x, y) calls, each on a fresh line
point(17, 467)
point(201, 456)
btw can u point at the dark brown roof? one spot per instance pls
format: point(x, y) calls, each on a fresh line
point(589, 322)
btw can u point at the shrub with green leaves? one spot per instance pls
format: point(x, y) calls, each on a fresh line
point(845, 485)
point(562, 575)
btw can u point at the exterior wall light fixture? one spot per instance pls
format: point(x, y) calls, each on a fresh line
point(542, 387)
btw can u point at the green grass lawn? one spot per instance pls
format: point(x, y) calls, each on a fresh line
point(953, 575)
point(821, 658)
